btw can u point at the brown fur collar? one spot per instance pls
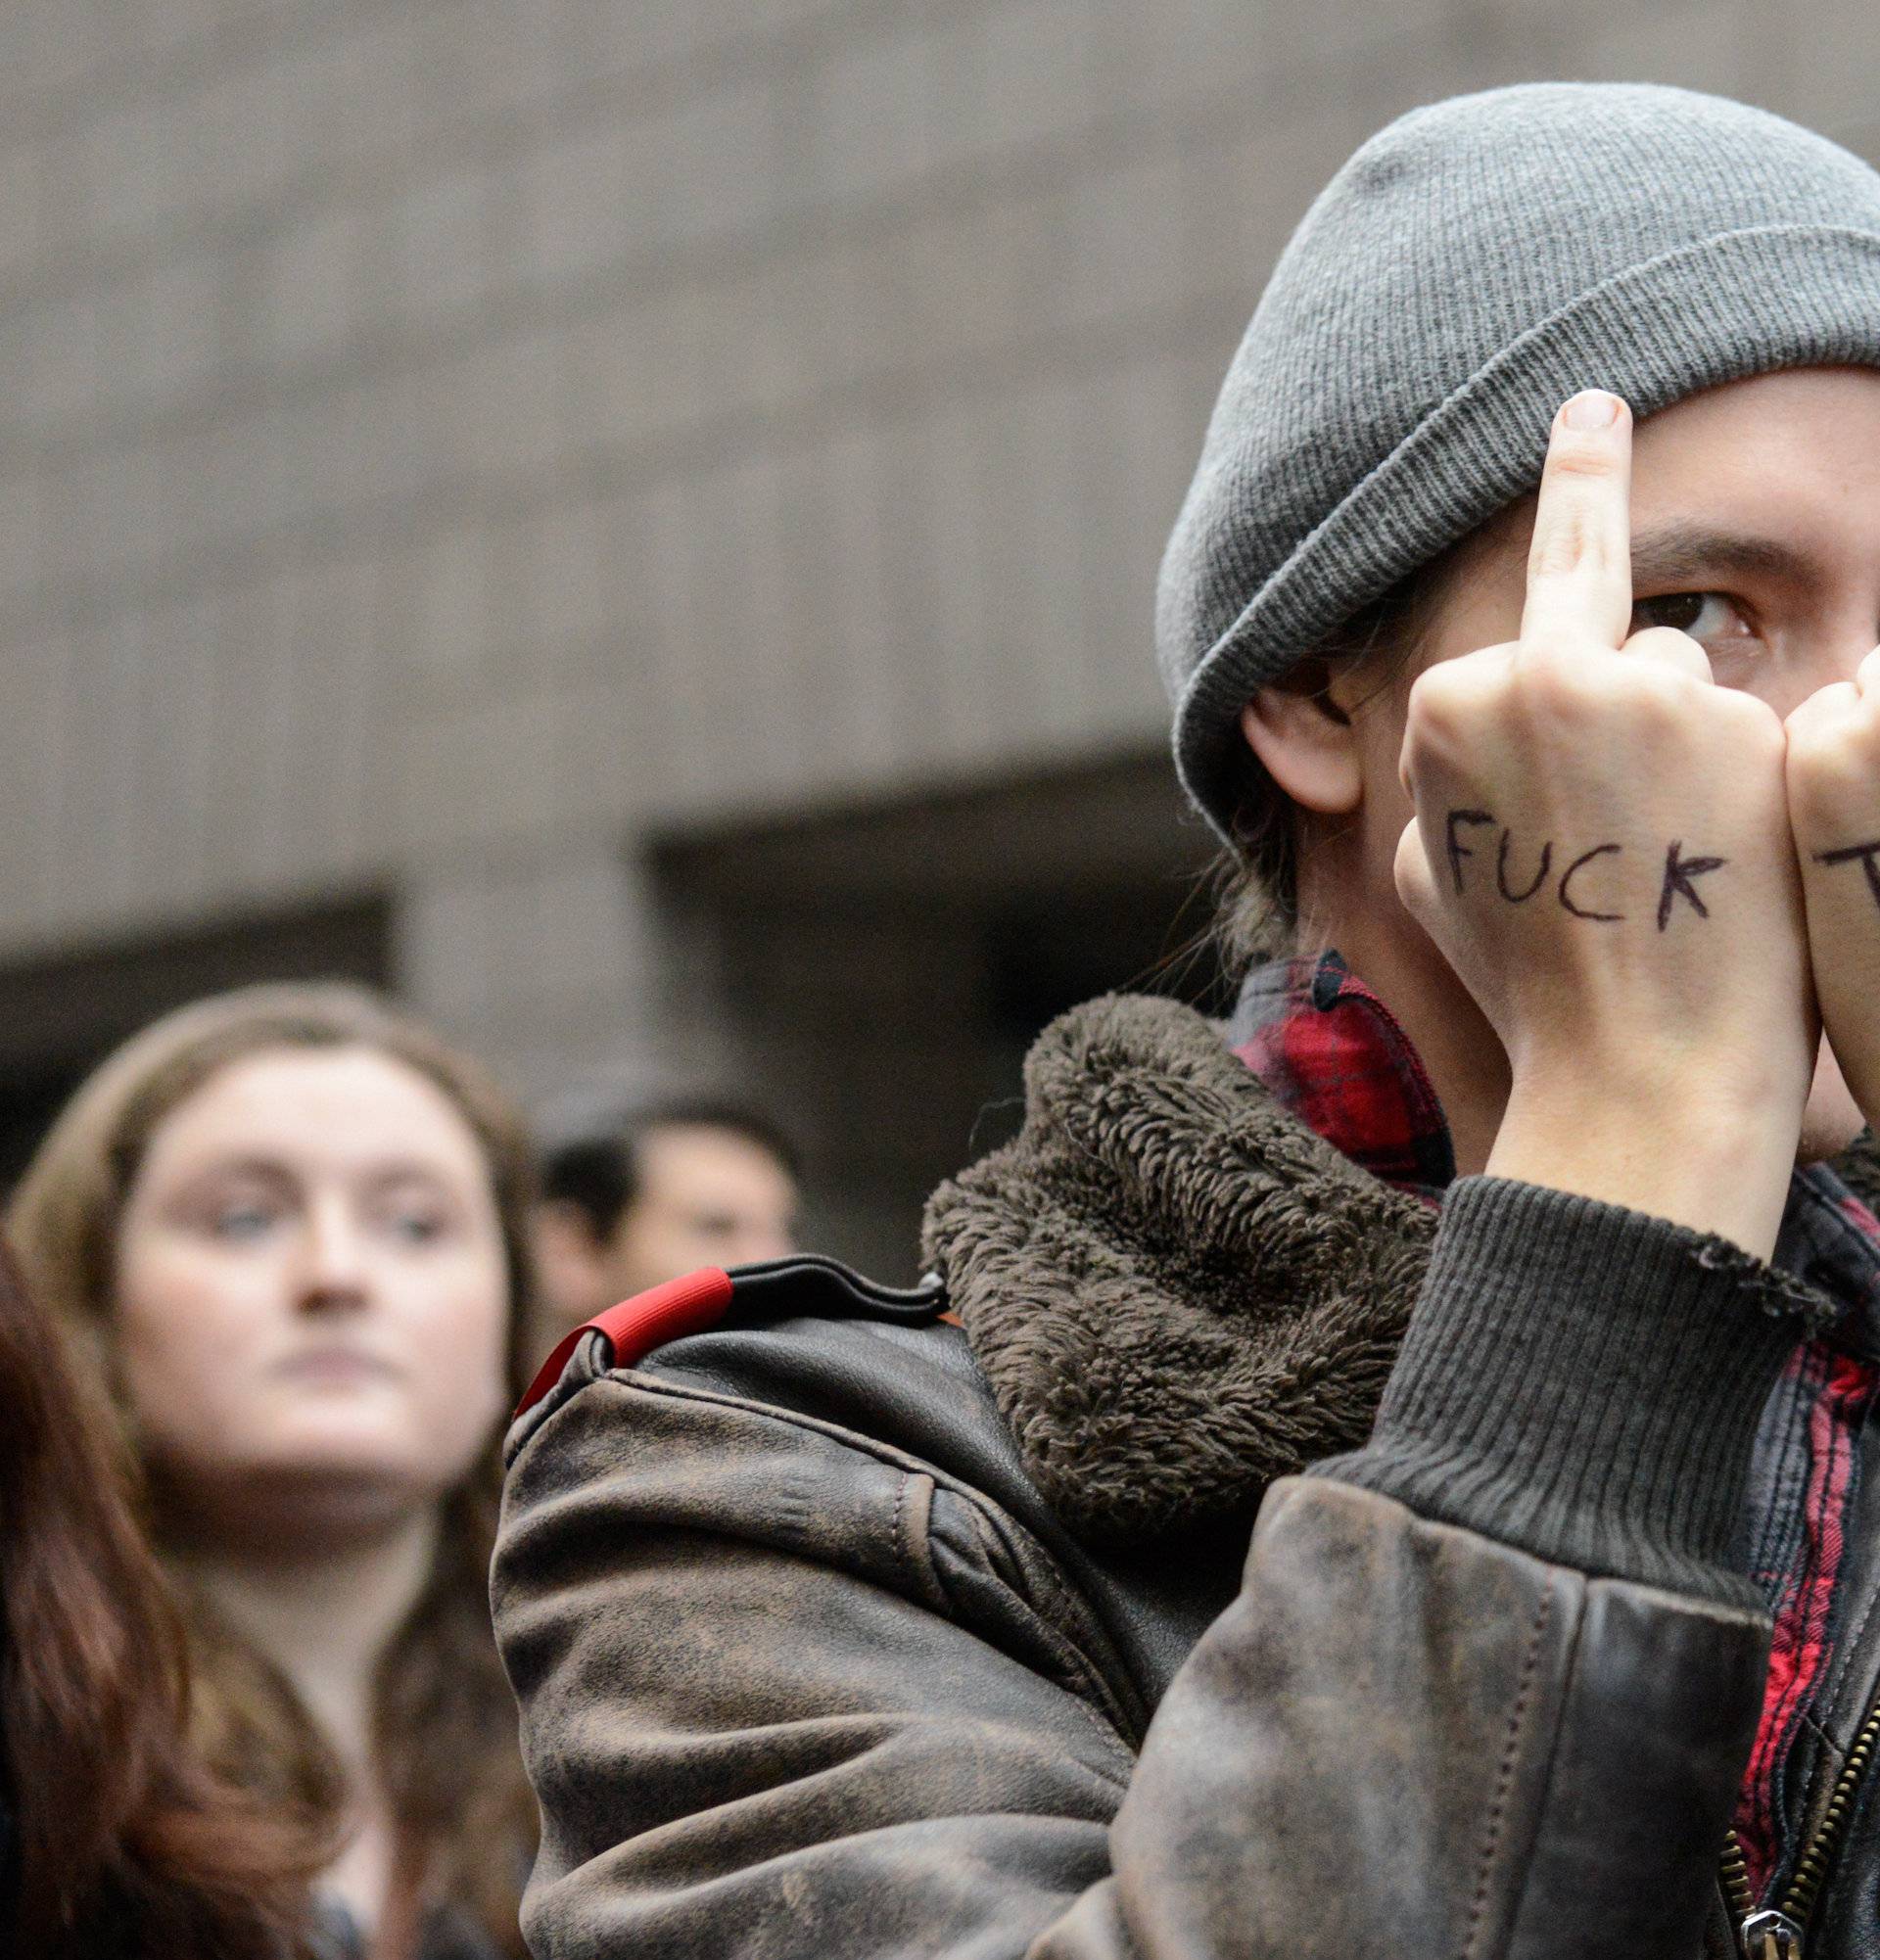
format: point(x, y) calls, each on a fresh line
point(1177, 1292)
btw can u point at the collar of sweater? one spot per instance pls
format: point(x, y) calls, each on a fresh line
point(1176, 1290)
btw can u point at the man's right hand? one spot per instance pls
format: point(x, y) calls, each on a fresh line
point(1602, 851)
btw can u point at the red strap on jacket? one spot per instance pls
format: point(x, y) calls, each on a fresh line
point(637, 1326)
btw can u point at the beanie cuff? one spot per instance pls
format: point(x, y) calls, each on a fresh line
point(1651, 334)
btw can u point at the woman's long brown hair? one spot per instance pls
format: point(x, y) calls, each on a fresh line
point(123, 1841)
point(444, 1720)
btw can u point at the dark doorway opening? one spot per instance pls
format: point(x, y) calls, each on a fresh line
point(880, 971)
point(60, 1016)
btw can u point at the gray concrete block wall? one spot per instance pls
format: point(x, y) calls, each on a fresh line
point(444, 440)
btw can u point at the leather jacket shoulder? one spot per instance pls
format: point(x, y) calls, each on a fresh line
point(921, 1391)
point(804, 1661)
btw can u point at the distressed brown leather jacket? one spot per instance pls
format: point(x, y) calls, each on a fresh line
point(835, 1638)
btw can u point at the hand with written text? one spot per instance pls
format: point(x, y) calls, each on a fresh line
point(1834, 811)
point(1602, 851)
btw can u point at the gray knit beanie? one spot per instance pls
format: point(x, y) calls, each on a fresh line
point(1469, 268)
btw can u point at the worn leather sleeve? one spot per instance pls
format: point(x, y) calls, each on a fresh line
point(783, 1694)
point(787, 1693)
point(1406, 1738)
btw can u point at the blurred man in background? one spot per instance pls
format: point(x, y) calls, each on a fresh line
point(670, 1188)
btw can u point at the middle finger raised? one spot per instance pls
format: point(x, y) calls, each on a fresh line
point(1579, 565)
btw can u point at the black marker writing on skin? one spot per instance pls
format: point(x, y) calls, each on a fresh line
point(1566, 878)
point(1458, 850)
point(1678, 874)
point(1501, 870)
point(1866, 853)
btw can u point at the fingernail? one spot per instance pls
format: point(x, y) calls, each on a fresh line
point(1594, 410)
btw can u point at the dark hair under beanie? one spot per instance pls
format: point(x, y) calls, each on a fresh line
point(1471, 268)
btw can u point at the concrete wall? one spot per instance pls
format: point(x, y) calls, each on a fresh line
point(445, 444)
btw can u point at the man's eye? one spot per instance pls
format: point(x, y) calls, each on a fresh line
point(1704, 616)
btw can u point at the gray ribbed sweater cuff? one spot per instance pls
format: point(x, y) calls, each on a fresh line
point(1583, 1382)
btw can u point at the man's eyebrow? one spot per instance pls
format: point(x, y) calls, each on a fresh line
point(1679, 553)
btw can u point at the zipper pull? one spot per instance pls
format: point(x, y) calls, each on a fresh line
point(1769, 1935)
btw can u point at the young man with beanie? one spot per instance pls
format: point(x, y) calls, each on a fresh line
point(1392, 1477)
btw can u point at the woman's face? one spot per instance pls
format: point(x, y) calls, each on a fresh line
point(311, 1298)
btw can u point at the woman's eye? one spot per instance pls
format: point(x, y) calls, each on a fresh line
point(241, 1221)
point(416, 1227)
point(1704, 616)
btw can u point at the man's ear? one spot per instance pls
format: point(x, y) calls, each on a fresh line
point(1305, 740)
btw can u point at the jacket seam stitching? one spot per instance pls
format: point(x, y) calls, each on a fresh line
point(919, 1557)
point(1074, 1675)
point(1505, 1773)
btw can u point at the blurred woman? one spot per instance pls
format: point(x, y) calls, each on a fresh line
point(115, 1838)
point(292, 1222)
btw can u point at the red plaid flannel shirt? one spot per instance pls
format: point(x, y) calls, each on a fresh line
point(1333, 1055)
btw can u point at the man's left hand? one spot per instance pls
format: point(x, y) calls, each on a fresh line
point(1834, 811)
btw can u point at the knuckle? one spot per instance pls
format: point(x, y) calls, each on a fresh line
point(1668, 643)
point(1764, 734)
point(1578, 458)
point(1757, 734)
point(1535, 679)
point(1679, 674)
point(1804, 725)
point(1749, 712)
point(1832, 705)
point(1417, 719)
point(1436, 699)
point(1832, 735)
point(1458, 703)
point(1656, 703)
point(1551, 682)
point(1571, 539)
